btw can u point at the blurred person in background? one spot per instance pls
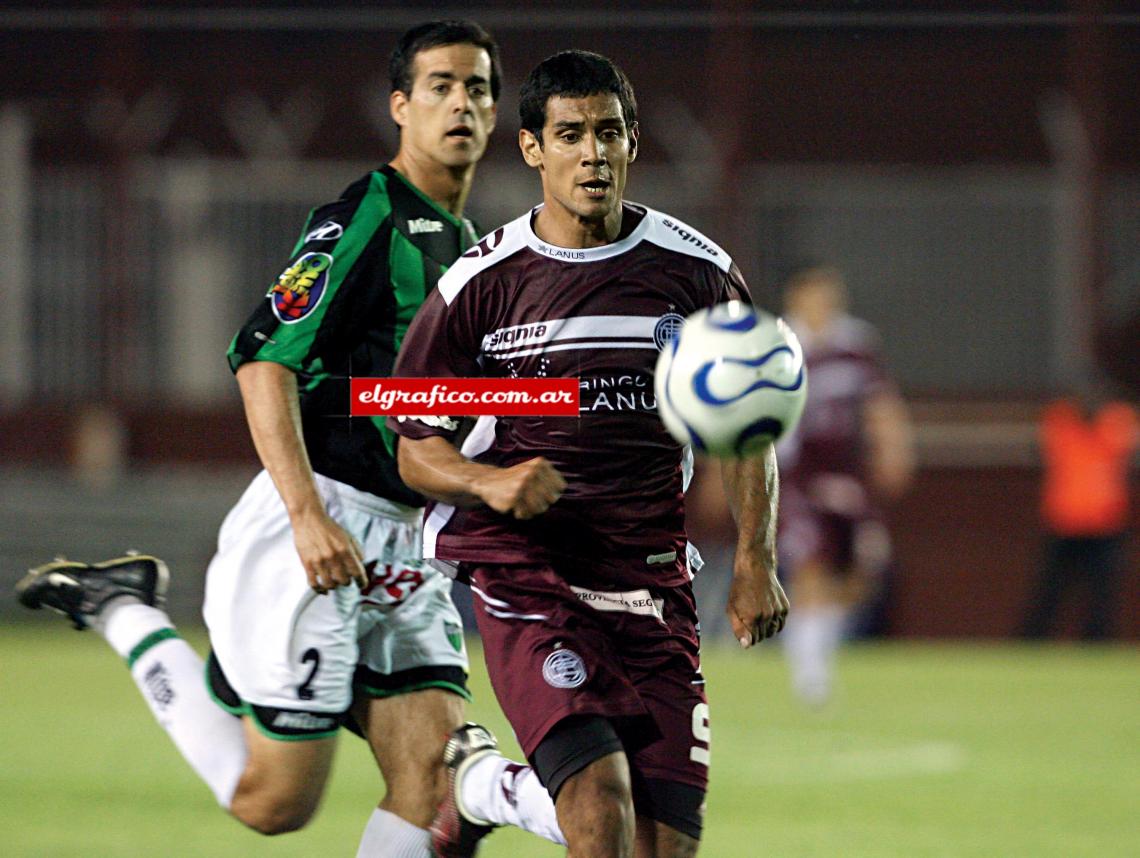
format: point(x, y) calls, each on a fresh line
point(319, 607)
point(1086, 445)
point(853, 449)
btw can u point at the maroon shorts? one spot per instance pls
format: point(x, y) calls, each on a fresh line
point(634, 661)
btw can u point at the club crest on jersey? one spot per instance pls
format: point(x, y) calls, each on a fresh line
point(300, 287)
point(666, 328)
point(564, 668)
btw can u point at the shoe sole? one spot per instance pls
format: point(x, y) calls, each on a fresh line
point(25, 586)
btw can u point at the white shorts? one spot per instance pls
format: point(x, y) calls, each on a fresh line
point(290, 656)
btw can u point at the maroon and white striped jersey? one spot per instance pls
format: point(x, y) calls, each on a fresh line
point(515, 306)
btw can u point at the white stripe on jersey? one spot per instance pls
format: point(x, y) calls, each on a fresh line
point(594, 344)
point(506, 615)
point(575, 328)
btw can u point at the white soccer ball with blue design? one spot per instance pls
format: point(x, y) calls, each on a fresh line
point(731, 380)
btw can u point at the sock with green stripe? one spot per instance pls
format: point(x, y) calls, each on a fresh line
point(171, 676)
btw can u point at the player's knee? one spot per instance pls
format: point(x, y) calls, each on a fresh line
point(269, 810)
point(674, 844)
point(604, 783)
point(271, 818)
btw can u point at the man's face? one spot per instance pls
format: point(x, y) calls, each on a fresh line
point(449, 113)
point(585, 155)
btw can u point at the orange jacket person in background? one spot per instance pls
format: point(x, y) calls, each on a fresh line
point(1087, 452)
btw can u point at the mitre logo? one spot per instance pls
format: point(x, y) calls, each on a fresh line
point(423, 224)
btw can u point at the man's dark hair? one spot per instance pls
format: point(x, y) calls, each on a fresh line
point(436, 34)
point(572, 74)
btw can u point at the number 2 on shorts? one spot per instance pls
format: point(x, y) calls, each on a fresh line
point(701, 733)
point(313, 655)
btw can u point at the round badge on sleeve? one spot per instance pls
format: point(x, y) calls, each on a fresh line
point(564, 668)
point(300, 287)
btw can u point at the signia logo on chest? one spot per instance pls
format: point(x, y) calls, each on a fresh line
point(512, 336)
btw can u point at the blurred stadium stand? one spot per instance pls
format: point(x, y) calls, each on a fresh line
point(974, 173)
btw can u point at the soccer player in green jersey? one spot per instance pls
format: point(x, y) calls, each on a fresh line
point(319, 608)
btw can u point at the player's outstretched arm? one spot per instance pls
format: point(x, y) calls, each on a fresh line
point(757, 606)
point(330, 556)
point(432, 466)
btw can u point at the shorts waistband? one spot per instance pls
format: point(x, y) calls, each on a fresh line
point(370, 503)
point(365, 502)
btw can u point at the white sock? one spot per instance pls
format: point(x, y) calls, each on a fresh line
point(389, 836)
point(810, 640)
point(498, 791)
point(172, 678)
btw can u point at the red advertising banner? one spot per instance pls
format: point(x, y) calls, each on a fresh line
point(465, 397)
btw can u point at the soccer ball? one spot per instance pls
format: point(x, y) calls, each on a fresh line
point(731, 380)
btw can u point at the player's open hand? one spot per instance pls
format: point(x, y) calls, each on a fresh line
point(757, 604)
point(331, 557)
point(525, 490)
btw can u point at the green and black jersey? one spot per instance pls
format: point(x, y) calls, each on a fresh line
point(357, 276)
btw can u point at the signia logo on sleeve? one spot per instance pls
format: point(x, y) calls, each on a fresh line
point(300, 287)
point(564, 668)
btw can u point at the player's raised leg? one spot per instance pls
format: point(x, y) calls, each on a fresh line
point(485, 791)
point(254, 765)
point(122, 599)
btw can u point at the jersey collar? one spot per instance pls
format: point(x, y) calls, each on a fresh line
point(586, 254)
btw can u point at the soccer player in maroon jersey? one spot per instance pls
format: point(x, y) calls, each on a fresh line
point(852, 450)
point(571, 529)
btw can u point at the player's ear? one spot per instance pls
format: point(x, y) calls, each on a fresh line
point(531, 148)
point(398, 107)
point(634, 133)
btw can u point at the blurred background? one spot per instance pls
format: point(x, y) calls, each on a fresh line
point(974, 173)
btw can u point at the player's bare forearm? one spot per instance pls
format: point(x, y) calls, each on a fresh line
point(752, 488)
point(757, 606)
point(434, 467)
point(269, 392)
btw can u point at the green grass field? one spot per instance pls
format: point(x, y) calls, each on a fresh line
point(929, 750)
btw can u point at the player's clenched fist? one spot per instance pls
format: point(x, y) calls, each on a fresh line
point(757, 605)
point(524, 490)
point(330, 555)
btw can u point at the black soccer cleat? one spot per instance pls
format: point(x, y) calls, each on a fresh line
point(79, 590)
point(454, 832)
